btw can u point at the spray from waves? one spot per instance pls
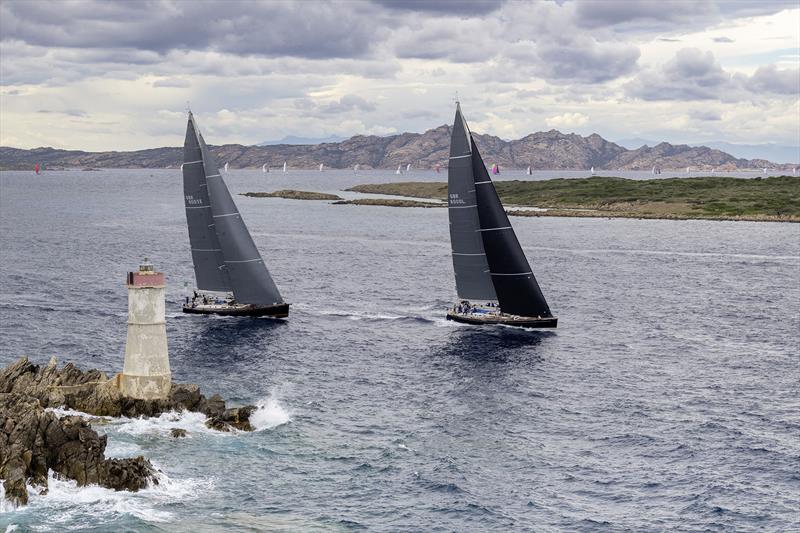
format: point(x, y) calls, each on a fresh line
point(269, 413)
point(65, 501)
point(192, 422)
point(63, 411)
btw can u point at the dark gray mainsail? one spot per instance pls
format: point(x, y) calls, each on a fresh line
point(243, 268)
point(206, 251)
point(469, 260)
point(517, 290)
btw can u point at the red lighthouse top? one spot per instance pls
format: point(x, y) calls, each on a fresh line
point(146, 277)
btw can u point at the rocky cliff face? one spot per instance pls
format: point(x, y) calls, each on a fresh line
point(33, 440)
point(543, 150)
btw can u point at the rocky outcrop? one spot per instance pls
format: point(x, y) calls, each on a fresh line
point(293, 195)
point(94, 393)
point(542, 150)
point(34, 441)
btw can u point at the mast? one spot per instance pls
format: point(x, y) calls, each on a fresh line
point(469, 260)
point(517, 289)
point(206, 251)
point(247, 274)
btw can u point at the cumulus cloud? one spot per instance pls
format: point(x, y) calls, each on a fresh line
point(770, 79)
point(694, 74)
point(567, 120)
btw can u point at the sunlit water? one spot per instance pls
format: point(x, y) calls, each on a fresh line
point(666, 399)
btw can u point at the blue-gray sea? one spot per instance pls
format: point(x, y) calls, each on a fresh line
point(667, 399)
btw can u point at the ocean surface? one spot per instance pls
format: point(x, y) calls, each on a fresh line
point(666, 399)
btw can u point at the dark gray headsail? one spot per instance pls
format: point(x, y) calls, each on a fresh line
point(517, 290)
point(469, 260)
point(206, 251)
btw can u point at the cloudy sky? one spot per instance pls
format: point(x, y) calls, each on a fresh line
point(100, 75)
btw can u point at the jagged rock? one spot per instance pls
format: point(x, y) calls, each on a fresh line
point(178, 433)
point(34, 441)
point(94, 393)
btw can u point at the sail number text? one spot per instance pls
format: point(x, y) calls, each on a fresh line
point(455, 199)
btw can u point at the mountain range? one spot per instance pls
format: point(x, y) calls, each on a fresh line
point(550, 150)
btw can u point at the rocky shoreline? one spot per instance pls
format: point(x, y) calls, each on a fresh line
point(293, 195)
point(34, 440)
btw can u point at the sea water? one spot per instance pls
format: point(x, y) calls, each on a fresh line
point(666, 398)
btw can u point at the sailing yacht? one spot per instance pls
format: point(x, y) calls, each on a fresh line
point(528, 172)
point(592, 171)
point(399, 171)
point(264, 168)
point(488, 262)
point(408, 167)
point(321, 166)
point(284, 166)
point(231, 276)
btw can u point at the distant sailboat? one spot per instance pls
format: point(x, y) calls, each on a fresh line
point(226, 167)
point(37, 168)
point(408, 167)
point(687, 170)
point(284, 166)
point(488, 262)
point(495, 169)
point(528, 171)
point(654, 171)
point(592, 171)
point(794, 171)
point(355, 168)
point(321, 166)
point(231, 276)
point(438, 167)
point(399, 171)
point(765, 171)
point(264, 168)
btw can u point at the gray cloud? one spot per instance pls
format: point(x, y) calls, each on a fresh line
point(722, 40)
point(455, 7)
point(696, 75)
point(69, 112)
point(240, 27)
point(172, 82)
point(691, 75)
point(705, 115)
point(770, 79)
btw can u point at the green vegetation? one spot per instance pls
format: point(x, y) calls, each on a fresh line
point(389, 202)
point(710, 197)
point(294, 195)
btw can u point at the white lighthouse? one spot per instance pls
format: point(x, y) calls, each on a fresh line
point(146, 374)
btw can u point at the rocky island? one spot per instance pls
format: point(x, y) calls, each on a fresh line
point(293, 195)
point(34, 440)
point(709, 198)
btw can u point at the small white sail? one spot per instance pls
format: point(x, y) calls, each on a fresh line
point(181, 166)
point(592, 171)
point(264, 168)
point(399, 171)
point(408, 167)
point(321, 166)
point(687, 170)
point(284, 166)
point(226, 167)
point(654, 171)
point(765, 171)
point(528, 172)
point(355, 168)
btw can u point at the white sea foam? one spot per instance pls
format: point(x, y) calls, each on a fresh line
point(270, 413)
point(192, 422)
point(63, 411)
point(65, 501)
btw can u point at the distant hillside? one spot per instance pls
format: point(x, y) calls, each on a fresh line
point(544, 150)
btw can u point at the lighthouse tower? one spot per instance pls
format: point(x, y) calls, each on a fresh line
point(146, 374)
